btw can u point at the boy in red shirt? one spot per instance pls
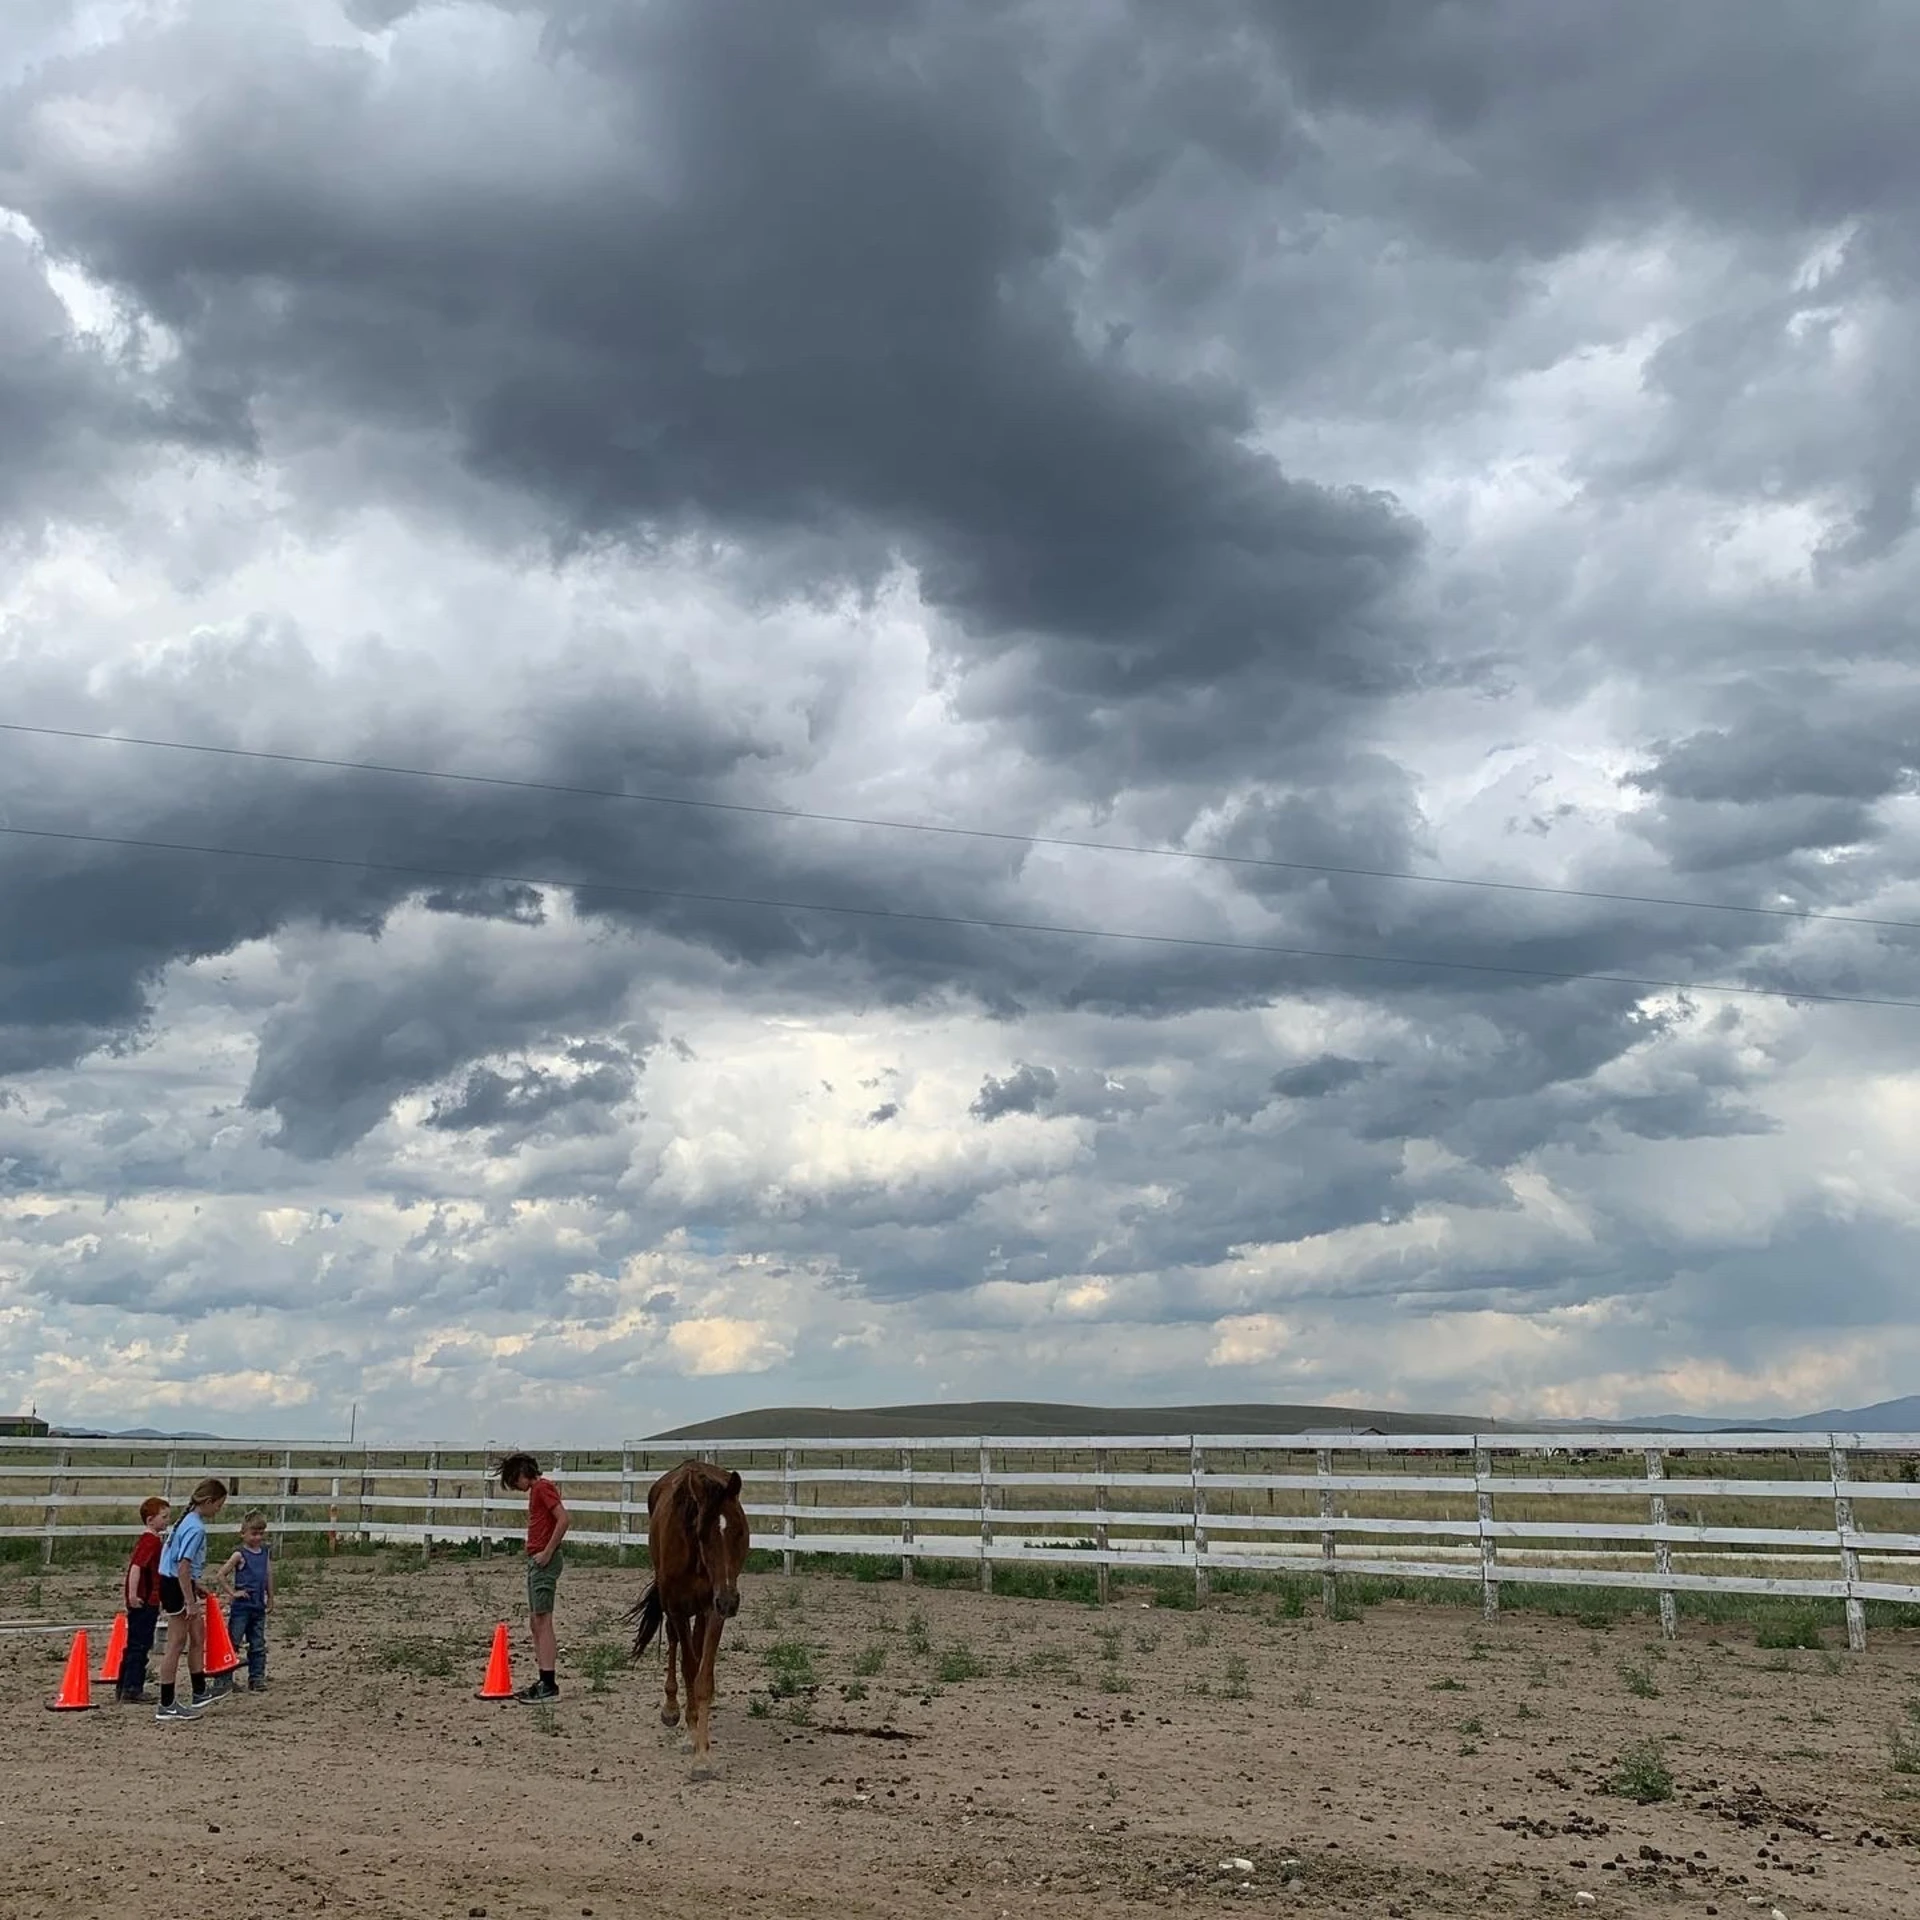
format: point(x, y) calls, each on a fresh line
point(141, 1597)
point(547, 1523)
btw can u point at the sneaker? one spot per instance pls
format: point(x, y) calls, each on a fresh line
point(534, 1695)
point(256, 1686)
point(180, 1710)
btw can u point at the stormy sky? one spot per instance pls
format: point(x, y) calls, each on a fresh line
point(1323, 455)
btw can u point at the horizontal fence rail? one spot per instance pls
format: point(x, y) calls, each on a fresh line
point(1804, 1516)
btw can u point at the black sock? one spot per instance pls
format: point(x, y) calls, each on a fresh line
point(199, 1685)
point(547, 1679)
point(166, 1695)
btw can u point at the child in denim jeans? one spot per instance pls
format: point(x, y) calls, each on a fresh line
point(249, 1570)
point(140, 1596)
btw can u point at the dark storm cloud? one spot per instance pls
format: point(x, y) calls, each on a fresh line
point(792, 282)
point(519, 1100)
point(1313, 1079)
point(1025, 1090)
point(72, 417)
point(1752, 113)
point(1811, 738)
point(804, 278)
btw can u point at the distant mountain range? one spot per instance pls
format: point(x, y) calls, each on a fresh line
point(1884, 1416)
point(1039, 1419)
point(124, 1433)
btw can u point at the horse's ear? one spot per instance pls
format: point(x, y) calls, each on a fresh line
point(733, 1486)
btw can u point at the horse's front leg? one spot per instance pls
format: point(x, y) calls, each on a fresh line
point(670, 1706)
point(706, 1635)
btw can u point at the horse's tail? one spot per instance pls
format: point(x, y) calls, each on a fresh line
point(649, 1613)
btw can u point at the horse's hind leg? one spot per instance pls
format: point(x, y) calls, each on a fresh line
point(670, 1706)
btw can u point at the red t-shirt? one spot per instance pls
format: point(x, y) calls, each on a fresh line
point(146, 1562)
point(543, 1501)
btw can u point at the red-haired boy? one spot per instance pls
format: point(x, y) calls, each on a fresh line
point(142, 1600)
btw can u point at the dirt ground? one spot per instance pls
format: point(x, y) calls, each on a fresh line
point(889, 1750)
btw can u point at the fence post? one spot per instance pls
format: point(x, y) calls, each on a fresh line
point(1483, 1513)
point(1329, 1591)
point(1102, 1545)
point(906, 1514)
point(986, 1519)
point(626, 1499)
point(433, 1501)
point(486, 1503)
point(1849, 1554)
point(166, 1486)
point(1196, 1469)
point(790, 1526)
point(366, 1468)
point(53, 1508)
point(286, 1485)
point(1662, 1549)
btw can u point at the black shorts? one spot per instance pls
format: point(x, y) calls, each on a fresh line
point(173, 1597)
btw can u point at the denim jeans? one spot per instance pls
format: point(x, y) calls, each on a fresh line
point(142, 1623)
point(247, 1625)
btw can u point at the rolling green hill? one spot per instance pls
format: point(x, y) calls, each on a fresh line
point(1042, 1419)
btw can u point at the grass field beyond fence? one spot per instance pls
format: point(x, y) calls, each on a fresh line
point(1825, 1524)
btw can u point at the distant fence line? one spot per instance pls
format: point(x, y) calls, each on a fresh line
point(1486, 1508)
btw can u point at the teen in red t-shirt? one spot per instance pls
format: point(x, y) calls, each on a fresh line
point(547, 1523)
point(141, 1597)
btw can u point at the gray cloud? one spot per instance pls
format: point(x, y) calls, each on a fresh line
point(1467, 438)
point(875, 361)
point(1025, 1090)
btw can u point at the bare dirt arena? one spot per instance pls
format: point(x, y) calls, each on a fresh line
point(904, 1750)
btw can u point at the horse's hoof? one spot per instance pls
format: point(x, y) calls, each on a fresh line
point(702, 1770)
point(669, 1716)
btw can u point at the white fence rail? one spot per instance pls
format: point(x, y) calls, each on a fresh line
point(1801, 1516)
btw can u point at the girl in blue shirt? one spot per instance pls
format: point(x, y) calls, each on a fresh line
point(182, 1562)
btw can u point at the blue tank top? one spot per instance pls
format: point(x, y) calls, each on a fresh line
point(250, 1576)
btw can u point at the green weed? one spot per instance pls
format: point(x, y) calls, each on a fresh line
point(599, 1660)
point(1639, 1682)
point(424, 1659)
point(958, 1662)
point(789, 1665)
point(1642, 1774)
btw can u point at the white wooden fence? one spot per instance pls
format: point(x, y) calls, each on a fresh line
point(1185, 1501)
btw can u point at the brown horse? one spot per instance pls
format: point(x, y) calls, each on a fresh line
point(697, 1539)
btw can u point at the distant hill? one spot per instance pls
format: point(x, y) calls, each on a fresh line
point(125, 1433)
point(1042, 1419)
point(1884, 1416)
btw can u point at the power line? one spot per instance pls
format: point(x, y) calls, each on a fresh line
point(951, 832)
point(629, 889)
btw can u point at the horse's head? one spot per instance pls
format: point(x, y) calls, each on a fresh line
point(720, 1538)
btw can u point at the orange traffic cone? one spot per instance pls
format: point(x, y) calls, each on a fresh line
point(76, 1694)
point(116, 1651)
point(221, 1658)
point(499, 1681)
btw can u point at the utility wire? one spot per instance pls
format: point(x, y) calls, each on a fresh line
point(629, 889)
point(951, 832)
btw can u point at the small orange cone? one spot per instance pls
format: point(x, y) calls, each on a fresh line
point(221, 1658)
point(116, 1651)
point(499, 1680)
point(75, 1692)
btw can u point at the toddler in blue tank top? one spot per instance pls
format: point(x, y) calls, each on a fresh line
point(248, 1570)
